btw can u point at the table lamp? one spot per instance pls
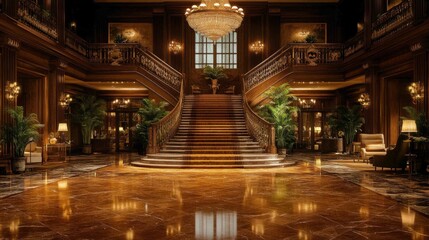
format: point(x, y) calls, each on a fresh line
point(408, 126)
point(62, 127)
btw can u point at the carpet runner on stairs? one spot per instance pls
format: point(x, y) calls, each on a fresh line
point(212, 134)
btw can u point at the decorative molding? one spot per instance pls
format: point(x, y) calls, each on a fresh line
point(416, 46)
point(13, 43)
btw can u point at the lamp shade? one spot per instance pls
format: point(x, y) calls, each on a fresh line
point(62, 127)
point(409, 126)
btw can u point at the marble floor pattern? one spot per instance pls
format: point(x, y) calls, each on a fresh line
point(319, 198)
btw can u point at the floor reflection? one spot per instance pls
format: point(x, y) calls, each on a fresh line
point(123, 202)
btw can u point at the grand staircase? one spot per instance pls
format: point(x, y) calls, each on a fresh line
point(212, 134)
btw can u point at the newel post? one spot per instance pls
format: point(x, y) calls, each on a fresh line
point(271, 145)
point(151, 148)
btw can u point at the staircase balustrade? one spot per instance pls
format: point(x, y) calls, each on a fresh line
point(271, 66)
point(394, 20)
point(161, 131)
point(30, 13)
point(260, 129)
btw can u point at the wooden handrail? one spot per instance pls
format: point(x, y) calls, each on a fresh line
point(260, 129)
point(161, 131)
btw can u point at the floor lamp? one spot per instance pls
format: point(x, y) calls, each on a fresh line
point(62, 128)
point(409, 126)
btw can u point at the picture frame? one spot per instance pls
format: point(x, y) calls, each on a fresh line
point(141, 33)
point(299, 32)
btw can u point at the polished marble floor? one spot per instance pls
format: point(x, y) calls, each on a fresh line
point(104, 198)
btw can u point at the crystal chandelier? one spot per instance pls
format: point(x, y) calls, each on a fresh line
point(214, 18)
point(416, 90)
point(364, 100)
point(12, 90)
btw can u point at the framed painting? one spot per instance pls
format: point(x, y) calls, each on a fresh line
point(141, 33)
point(303, 32)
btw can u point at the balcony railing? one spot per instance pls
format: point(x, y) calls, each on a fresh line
point(77, 44)
point(30, 13)
point(354, 44)
point(317, 53)
point(397, 18)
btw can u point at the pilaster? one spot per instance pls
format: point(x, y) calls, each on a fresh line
point(373, 85)
point(56, 82)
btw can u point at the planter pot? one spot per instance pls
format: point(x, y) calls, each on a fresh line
point(281, 151)
point(215, 86)
point(87, 149)
point(18, 164)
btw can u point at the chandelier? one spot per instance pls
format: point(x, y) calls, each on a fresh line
point(65, 100)
point(256, 47)
point(307, 103)
point(416, 90)
point(12, 90)
point(214, 18)
point(121, 103)
point(364, 100)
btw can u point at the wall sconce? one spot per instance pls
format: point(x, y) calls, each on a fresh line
point(417, 91)
point(65, 100)
point(174, 47)
point(121, 103)
point(12, 90)
point(307, 103)
point(73, 25)
point(364, 100)
point(256, 47)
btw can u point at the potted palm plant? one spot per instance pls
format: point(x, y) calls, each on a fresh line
point(349, 121)
point(214, 74)
point(279, 110)
point(149, 113)
point(89, 113)
point(18, 134)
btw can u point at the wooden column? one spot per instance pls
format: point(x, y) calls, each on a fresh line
point(421, 73)
point(420, 9)
point(10, 7)
point(61, 21)
point(8, 73)
point(374, 86)
point(55, 86)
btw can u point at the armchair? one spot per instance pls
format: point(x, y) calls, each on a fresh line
point(372, 145)
point(33, 153)
point(394, 158)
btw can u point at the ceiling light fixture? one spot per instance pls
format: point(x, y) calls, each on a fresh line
point(214, 18)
